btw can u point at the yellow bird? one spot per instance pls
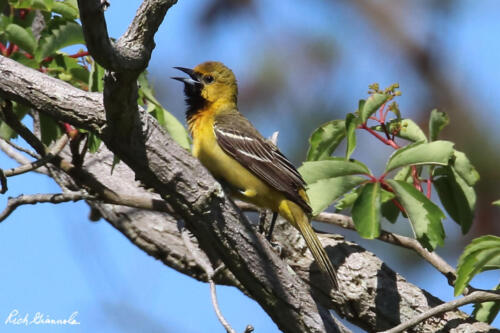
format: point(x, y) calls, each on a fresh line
point(236, 154)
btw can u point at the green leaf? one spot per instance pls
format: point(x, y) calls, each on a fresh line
point(42, 4)
point(404, 128)
point(390, 211)
point(434, 153)
point(69, 67)
point(324, 192)
point(116, 160)
point(464, 168)
point(2, 4)
point(66, 34)
point(487, 311)
point(458, 198)
point(49, 128)
point(146, 89)
point(348, 199)
point(351, 122)
point(366, 211)
point(425, 217)
point(4, 22)
point(386, 196)
point(94, 142)
point(22, 37)
point(496, 203)
point(325, 139)
point(372, 104)
point(33, 4)
point(96, 77)
point(332, 167)
point(404, 174)
point(437, 122)
point(66, 9)
point(481, 254)
point(174, 127)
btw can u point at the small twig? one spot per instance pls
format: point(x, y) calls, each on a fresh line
point(12, 153)
point(18, 157)
point(378, 136)
point(474, 297)
point(202, 261)
point(3, 182)
point(54, 151)
point(24, 150)
point(14, 123)
point(32, 199)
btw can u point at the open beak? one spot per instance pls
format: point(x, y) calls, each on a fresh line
point(193, 77)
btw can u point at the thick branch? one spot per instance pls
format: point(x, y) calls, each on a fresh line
point(58, 99)
point(132, 52)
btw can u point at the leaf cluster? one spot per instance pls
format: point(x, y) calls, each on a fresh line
point(401, 190)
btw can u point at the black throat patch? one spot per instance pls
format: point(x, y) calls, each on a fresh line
point(195, 102)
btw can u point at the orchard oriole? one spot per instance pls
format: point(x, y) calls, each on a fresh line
point(229, 146)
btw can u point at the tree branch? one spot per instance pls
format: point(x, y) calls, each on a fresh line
point(58, 99)
point(474, 297)
point(431, 257)
point(346, 222)
point(22, 149)
point(32, 199)
point(11, 119)
point(54, 151)
point(131, 53)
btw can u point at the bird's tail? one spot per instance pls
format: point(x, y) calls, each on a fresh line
point(299, 219)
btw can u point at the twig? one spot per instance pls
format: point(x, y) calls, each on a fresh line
point(346, 222)
point(474, 297)
point(54, 151)
point(24, 150)
point(32, 199)
point(3, 182)
point(202, 261)
point(14, 123)
point(12, 153)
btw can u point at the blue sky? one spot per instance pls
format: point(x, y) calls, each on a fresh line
point(56, 262)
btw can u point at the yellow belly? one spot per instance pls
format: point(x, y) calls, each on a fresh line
point(245, 185)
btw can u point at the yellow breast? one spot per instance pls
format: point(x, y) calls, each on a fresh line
point(245, 185)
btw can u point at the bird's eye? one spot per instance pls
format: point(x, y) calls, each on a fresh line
point(208, 79)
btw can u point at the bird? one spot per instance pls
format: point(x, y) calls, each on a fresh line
point(238, 156)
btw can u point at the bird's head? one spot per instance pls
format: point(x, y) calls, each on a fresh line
point(209, 82)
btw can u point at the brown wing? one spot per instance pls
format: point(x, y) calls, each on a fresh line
point(239, 139)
